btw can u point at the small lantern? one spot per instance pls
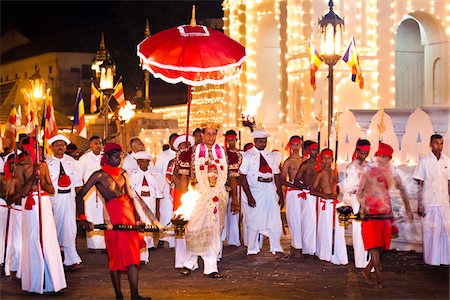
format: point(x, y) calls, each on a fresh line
point(331, 26)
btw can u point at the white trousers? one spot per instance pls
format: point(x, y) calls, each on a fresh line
point(325, 238)
point(293, 217)
point(232, 227)
point(3, 224)
point(14, 247)
point(166, 214)
point(436, 235)
point(63, 206)
point(255, 241)
point(308, 221)
point(93, 208)
point(209, 261)
point(180, 252)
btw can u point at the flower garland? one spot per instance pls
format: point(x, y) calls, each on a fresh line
point(203, 163)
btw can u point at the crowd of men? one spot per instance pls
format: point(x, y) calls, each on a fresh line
point(242, 193)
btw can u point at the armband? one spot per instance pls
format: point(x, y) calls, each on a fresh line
point(82, 217)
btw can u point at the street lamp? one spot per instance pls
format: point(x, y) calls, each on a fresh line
point(37, 91)
point(107, 70)
point(331, 26)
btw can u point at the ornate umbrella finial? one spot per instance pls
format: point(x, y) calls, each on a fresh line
point(147, 28)
point(381, 126)
point(193, 22)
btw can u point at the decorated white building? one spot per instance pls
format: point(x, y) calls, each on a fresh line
point(403, 49)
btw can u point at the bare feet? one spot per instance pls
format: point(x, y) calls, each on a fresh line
point(279, 255)
point(251, 256)
point(366, 277)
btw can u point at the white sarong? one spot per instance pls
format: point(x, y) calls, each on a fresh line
point(37, 268)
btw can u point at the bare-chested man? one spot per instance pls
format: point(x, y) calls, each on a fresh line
point(123, 247)
point(293, 195)
point(41, 264)
point(304, 179)
point(373, 195)
point(330, 235)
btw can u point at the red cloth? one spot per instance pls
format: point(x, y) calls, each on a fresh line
point(123, 247)
point(377, 233)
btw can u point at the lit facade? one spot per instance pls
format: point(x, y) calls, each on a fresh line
point(403, 49)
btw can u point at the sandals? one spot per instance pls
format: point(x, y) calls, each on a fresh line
point(215, 275)
point(185, 271)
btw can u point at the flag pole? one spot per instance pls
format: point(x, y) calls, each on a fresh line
point(75, 114)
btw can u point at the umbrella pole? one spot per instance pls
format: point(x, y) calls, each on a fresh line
point(189, 96)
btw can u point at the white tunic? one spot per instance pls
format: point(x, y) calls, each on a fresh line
point(14, 245)
point(435, 175)
point(37, 269)
point(166, 204)
point(93, 204)
point(137, 179)
point(265, 217)
point(64, 206)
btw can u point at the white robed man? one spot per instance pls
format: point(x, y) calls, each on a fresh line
point(260, 179)
point(93, 204)
point(129, 163)
point(181, 142)
point(350, 185)
point(232, 221)
point(207, 168)
point(144, 184)
point(41, 263)
point(433, 176)
point(66, 179)
point(166, 204)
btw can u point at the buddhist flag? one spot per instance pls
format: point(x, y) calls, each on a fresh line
point(10, 132)
point(351, 58)
point(78, 117)
point(51, 128)
point(315, 63)
point(95, 94)
point(119, 95)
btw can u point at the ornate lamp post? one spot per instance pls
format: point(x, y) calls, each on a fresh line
point(331, 26)
point(126, 112)
point(38, 91)
point(107, 70)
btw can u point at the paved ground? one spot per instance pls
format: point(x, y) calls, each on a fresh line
point(406, 277)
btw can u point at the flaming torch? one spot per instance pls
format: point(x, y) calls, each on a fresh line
point(248, 115)
point(183, 213)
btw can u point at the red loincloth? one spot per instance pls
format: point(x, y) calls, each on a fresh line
point(376, 233)
point(123, 247)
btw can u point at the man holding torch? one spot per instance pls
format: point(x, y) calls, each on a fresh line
point(207, 168)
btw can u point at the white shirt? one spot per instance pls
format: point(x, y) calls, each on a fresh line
point(435, 175)
point(70, 166)
point(163, 160)
point(89, 163)
point(251, 160)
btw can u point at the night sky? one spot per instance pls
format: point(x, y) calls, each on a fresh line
point(123, 23)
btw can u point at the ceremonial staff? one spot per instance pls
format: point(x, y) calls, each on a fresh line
point(38, 177)
point(336, 128)
point(319, 119)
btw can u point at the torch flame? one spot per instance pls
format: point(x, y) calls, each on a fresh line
point(188, 201)
point(253, 103)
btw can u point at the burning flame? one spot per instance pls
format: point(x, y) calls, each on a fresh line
point(188, 201)
point(253, 104)
point(126, 112)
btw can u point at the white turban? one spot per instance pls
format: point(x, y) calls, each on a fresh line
point(259, 134)
point(181, 139)
point(142, 155)
point(58, 137)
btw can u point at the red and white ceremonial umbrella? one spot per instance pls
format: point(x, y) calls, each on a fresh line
point(193, 54)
